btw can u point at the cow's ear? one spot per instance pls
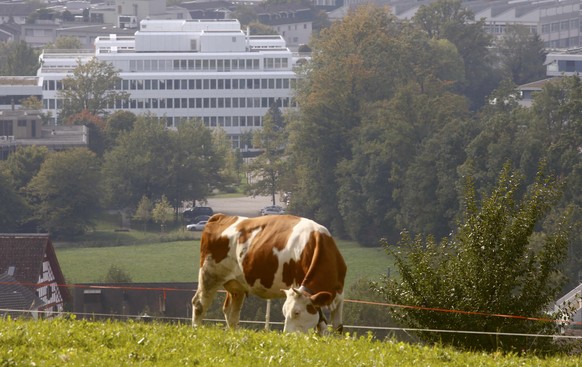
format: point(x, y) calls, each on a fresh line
point(321, 299)
point(216, 217)
point(289, 292)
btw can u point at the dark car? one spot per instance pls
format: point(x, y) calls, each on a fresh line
point(194, 215)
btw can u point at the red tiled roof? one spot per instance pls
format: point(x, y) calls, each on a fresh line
point(26, 252)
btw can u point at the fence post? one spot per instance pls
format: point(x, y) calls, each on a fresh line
point(268, 315)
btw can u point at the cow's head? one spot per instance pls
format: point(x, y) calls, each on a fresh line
point(302, 310)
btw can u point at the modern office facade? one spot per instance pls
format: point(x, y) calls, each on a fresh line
point(183, 69)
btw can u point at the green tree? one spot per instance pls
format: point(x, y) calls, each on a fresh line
point(258, 28)
point(91, 87)
point(116, 274)
point(183, 164)
point(348, 71)
point(522, 55)
point(17, 58)
point(66, 43)
point(118, 122)
point(162, 212)
point(13, 209)
point(495, 263)
point(23, 164)
point(143, 212)
point(449, 19)
point(196, 163)
point(65, 193)
point(139, 165)
point(269, 165)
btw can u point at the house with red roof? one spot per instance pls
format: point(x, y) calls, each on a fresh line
point(31, 279)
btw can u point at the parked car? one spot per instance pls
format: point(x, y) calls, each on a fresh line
point(199, 226)
point(272, 210)
point(191, 215)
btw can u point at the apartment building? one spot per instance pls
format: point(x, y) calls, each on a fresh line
point(183, 69)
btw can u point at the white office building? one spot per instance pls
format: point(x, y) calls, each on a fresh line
point(183, 69)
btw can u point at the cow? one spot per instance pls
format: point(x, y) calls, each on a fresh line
point(271, 257)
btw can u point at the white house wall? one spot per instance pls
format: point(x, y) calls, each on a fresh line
point(49, 291)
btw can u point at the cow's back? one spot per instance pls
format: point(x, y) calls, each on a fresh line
point(270, 253)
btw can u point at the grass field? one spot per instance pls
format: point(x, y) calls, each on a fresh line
point(147, 258)
point(63, 342)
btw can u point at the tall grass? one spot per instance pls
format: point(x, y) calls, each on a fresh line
point(84, 343)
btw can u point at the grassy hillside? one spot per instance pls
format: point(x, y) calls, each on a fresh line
point(147, 259)
point(83, 343)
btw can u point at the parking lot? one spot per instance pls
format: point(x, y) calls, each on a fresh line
point(245, 206)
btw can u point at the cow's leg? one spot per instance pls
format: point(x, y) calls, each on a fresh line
point(233, 302)
point(336, 309)
point(203, 297)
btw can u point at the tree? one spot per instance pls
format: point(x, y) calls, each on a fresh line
point(13, 209)
point(66, 43)
point(162, 212)
point(268, 166)
point(144, 211)
point(139, 165)
point(116, 274)
point(91, 87)
point(449, 19)
point(64, 193)
point(522, 55)
point(17, 58)
point(23, 164)
point(348, 71)
point(95, 126)
point(494, 264)
point(118, 122)
point(196, 163)
point(150, 160)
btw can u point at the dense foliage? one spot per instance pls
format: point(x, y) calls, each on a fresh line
point(387, 131)
point(495, 263)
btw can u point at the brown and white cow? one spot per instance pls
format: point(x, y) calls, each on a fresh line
point(271, 257)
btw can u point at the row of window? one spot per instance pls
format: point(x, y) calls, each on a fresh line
point(161, 103)
point(563, 43)
point(220, 65)
point(6, 128)
point(216, 121)
point(561, 26)
point(191, 84)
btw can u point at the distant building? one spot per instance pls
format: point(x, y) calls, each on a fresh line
point(529, 90)
point(22, 127)
point(16, 13)
point(128, 13)
point(15, 89)
point(294, 22)
point(30, 260)
point(110, 300)
point(183, 69)
point(209, 9)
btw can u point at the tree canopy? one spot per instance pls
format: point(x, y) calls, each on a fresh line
point(63, 193)
point(17, 58)
point(91, 87)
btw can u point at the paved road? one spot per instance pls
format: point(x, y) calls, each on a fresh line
point(246, 206)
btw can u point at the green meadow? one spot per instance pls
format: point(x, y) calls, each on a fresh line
point(157, 259)
point(64, 342)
